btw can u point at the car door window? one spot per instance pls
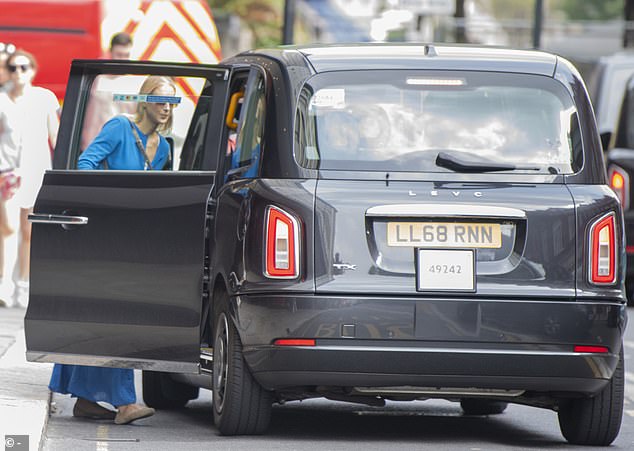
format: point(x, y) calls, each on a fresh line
point(120, 98)
point(244, 156)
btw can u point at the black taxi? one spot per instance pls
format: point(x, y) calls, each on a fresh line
point(363, 223)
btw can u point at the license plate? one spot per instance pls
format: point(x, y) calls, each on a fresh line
point(445, 269)
point(444, 234)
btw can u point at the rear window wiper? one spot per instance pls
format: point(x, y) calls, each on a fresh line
point(458, 164)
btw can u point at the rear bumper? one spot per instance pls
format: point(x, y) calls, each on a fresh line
point(446, 343)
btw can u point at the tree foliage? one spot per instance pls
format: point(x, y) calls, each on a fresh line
point(263, 17)
point(570, 9)
point(590, 9)
point(512, 9)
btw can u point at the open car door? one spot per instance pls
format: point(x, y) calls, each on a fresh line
point(117, 256)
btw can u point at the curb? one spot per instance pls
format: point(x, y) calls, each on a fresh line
point(24, 395)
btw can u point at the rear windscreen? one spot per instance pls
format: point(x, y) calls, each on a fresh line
point(402, 120)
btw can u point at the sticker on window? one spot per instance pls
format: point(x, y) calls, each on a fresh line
point(312, 153)
point(330, 98)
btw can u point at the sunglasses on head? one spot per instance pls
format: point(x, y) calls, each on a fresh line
point(23, 67)
point(7, 48)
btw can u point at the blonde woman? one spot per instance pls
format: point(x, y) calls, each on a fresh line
point(124, 144)
point(117, 145)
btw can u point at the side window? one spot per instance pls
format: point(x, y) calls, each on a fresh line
point(143, 122)
point(623, 136)
point(194, 145)
point(245, 156)
point(628, 120)
point(305, 146)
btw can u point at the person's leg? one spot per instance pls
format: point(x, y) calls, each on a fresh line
point(24, 258)
point(96, 384)
point(132, 412)
point(125, 400)
point(91, 410)
point(3, 226)
point(64, 380)
point(25, 245)
point(5, 230)
point(8, 235)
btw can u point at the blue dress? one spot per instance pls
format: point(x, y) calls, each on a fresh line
point(112, 385)
point(116, 145)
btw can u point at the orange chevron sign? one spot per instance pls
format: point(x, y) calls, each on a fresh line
point(166, 30)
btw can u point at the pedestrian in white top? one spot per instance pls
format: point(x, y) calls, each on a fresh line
point(6, 49)
point(28, 132)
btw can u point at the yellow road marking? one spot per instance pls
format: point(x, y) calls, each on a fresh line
point(102, 433)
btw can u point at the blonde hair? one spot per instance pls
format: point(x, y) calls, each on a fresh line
point(151, 84)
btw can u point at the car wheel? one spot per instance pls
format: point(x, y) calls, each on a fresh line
point(596, 420)
point(482, 406)
point(162, 392)
point(241, 406)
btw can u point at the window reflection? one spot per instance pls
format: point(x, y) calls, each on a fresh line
point(389, 124)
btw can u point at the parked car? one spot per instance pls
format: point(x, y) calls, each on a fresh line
point(361, 223)
point(620, 164)
point(606, 86)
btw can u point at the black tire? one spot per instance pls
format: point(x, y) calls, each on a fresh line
point(162, 392)
point(472, 406)
point(241, 406)
point(596, 420)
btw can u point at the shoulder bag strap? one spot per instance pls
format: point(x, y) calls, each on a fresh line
point(139, 145)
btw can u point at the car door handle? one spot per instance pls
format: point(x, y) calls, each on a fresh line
point(43, 218)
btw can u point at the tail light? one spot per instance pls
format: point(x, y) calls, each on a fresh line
point(603, 251)
point(282, 244)
point(591, 349)
point(620, 184)
point(294, 342)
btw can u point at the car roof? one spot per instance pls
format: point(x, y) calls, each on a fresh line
point(325, 58)
point(624, 57)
